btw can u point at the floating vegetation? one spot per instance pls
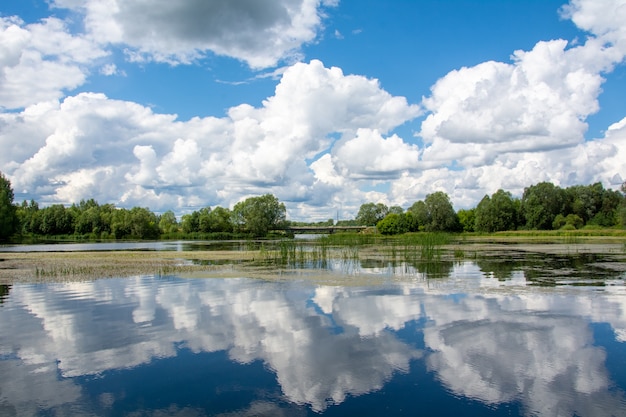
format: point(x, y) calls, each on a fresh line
point(77, 266)
point(432, 254)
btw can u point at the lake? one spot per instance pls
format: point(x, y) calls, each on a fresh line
point(531, 336)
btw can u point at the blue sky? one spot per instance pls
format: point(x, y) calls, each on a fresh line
point(326, 104)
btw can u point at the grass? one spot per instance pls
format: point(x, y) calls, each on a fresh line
point(346, 248)
point(63, 266)
point(568, 237)
point(350, 248)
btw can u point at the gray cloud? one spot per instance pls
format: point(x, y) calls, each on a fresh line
point(259, 33)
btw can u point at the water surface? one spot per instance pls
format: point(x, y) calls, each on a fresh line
point(473, 342)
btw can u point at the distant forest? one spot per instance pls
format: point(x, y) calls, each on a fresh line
point(543, 206)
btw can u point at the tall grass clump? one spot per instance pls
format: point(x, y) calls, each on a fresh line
point(571, 238)
point(287, 252)
point(349, 239)
point(425, 246)
point(430, 246)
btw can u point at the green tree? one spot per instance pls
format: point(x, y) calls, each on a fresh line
point(412, 225)
point(608, 214)
point(121, 223)
point(259, 215)
point(56, 220)
point(393, 224)
point(540, 205)
point(91, 218)
point(168, 222)
point(204, 220)
point(559, 221)
point(441, 214)
point(26, 214)
point(144, 223)
point(622, 207)
point(572, 221)
point(88, 221)
point(420, 214)
point(106, 212)
point(8, 212)
point(209, 220)
point(221, 220)
point(585, 201)
point(371, 213)
point(467, 219)
point(190, 222)
point(497, 213)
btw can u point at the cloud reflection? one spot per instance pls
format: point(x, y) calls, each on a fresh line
point(323, 343)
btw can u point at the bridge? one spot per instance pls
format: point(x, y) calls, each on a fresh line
point(324, 229)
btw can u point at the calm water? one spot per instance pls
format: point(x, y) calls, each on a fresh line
point(473, 343)
point(146, 245)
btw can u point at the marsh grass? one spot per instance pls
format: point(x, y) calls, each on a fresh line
point(584, 235)
point(422, 246)
point(350, 239)
point(350, 248)
point(77, 266)
point(424, 251)
point(571, 238)
point(289, 253)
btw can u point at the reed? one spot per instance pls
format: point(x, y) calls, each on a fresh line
point(571, 238)
point(350, 239)
point(424, 246)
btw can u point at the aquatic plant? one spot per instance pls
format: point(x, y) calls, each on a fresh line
point(350, 239)
point(428, 245)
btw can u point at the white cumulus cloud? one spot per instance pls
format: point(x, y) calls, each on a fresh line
point(121, 151)
point(324, 141)
point(41, 61)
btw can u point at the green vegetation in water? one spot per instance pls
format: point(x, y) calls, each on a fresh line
point(351, 248)
point(571, 238)
point(349, 239)
point(289, 253)
point(423, 246)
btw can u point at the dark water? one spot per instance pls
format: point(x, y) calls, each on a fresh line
point(471, 344)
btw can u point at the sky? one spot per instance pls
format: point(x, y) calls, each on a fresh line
point(326, 104)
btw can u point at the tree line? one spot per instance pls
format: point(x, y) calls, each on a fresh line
point(255, 217)
point(542, 206)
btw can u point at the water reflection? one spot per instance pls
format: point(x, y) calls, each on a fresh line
point(164, 245)
point(216, 346)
